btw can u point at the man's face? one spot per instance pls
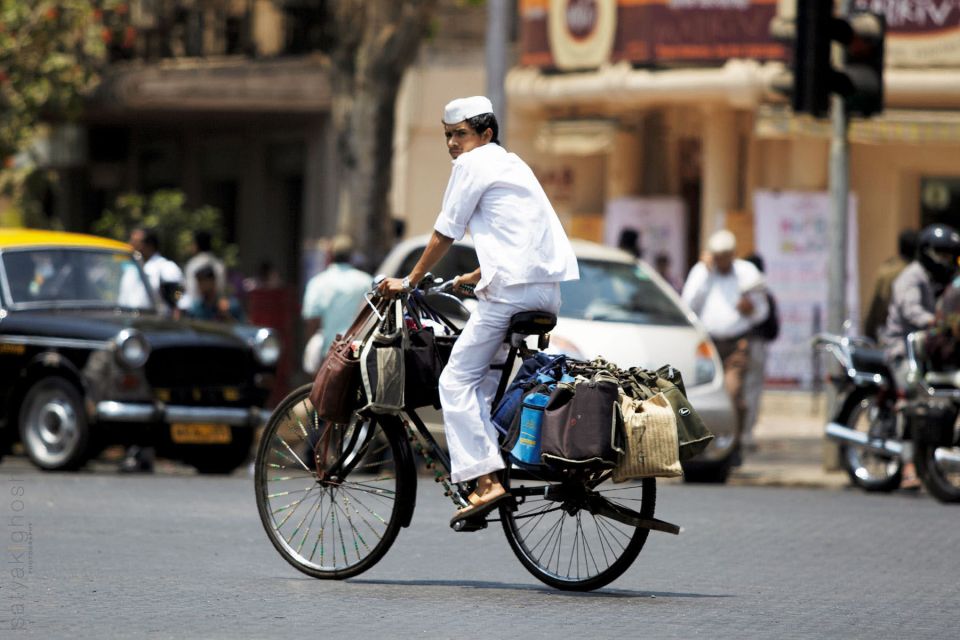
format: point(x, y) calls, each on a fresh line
point(723, 261)
point(136, 240)
point(206, 286)
point(462, 138)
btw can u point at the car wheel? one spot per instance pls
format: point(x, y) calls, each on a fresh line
point(221, 459)
point(53, 425)
point(707, 472)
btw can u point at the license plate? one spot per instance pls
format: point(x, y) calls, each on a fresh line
point(200, 433)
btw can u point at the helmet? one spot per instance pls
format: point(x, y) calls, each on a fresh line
point(938, 248)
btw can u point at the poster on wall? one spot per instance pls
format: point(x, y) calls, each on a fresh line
point(792, 234)
point(661, 227)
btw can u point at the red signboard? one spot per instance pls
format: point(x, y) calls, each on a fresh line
point(558, 33)
point(917, 17)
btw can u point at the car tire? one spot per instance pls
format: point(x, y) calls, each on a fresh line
point(707, 472)
point(221, 459)
point(53, 426)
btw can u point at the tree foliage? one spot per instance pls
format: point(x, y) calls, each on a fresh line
point(51, 53)
point(166, 212)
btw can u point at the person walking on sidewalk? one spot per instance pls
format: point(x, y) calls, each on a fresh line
point(524, 255)
point(883, 289)
point(331, 300)
point(761, 335)
point(729, 297)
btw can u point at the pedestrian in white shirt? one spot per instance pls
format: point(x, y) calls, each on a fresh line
point(524, 255)
point(164, 276)
point(729, 297)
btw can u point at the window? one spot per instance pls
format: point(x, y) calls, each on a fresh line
point(74, 278)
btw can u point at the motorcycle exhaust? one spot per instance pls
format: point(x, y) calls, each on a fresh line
point(845, 434)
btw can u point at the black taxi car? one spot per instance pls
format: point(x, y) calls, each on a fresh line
point(87, 360)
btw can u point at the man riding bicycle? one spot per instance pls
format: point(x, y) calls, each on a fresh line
point(524, 254)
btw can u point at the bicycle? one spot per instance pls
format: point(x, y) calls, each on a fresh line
point(333, 497)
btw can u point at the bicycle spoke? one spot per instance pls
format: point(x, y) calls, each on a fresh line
point(562, 542)
point(327, 492)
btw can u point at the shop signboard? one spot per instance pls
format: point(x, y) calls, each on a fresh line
point(584, 34)
point(570, 35)
point(792, 234)
point(920, 33)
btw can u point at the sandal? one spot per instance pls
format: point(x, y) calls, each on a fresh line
point(477, 507)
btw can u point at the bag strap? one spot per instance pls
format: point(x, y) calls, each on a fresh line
point(367, 312)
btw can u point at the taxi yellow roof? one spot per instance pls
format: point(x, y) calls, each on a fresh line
point(10, 238)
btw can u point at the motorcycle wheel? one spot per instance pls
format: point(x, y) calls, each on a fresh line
point(862, 410)
point(939, 470)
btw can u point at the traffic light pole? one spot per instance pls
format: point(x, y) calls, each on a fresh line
point(839, 195)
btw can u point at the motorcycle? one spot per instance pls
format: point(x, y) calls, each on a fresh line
point(876, 432)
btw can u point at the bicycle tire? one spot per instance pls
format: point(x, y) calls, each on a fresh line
point(530, 533)
point(372, 504)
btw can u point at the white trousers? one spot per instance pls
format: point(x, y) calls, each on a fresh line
point(467, 385)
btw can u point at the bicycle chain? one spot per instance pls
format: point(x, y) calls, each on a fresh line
point(431, 464)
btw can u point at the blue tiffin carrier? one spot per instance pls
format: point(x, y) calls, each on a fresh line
point(527, 449)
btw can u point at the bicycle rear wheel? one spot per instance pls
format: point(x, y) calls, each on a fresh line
point(560, 528)
point(329, 495)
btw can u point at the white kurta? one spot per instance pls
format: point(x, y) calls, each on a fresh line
point(524, 254)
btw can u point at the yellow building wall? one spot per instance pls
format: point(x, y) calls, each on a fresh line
point(421, 164)
point(886, 179)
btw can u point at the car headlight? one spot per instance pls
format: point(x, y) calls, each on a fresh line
point(704, 368)
point(266, 347)
point(132, 348)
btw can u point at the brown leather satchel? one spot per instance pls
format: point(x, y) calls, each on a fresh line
point(336, 389)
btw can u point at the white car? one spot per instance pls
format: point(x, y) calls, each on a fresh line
point(623, 310)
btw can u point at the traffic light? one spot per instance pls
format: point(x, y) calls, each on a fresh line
point(863, 64)
point(813, 77)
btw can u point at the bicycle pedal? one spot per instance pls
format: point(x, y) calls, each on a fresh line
point(467, 525)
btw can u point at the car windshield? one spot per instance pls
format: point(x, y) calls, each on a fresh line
point(63, 278)
point(618, 292)
point(608, 291)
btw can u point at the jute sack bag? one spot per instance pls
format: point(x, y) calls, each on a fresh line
point(652, 448)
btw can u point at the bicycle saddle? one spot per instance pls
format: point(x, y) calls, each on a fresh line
point(532, 323)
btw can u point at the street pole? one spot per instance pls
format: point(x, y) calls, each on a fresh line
point(498, 25)
point(839, 195)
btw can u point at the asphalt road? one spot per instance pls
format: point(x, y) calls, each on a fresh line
point(182, 556)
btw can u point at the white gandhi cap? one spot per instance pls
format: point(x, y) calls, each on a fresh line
point(463, 108)
point(722, 242)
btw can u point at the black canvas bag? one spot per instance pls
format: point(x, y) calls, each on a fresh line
point(423, 366)
point(382, 363)
point(582, 424)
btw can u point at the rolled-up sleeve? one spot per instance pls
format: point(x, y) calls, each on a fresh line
point(460, 200)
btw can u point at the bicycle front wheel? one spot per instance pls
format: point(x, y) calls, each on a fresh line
point(329, 495)
point(559, 532)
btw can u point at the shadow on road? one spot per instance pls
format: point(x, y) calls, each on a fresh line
point(481, 584)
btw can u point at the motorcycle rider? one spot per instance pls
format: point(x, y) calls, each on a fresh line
point(913, 304)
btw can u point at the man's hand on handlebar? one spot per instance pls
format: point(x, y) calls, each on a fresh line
point(466, 282)
point(390, 287)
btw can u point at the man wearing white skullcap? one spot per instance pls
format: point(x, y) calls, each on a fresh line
point(524, 255)
point(729, 297)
